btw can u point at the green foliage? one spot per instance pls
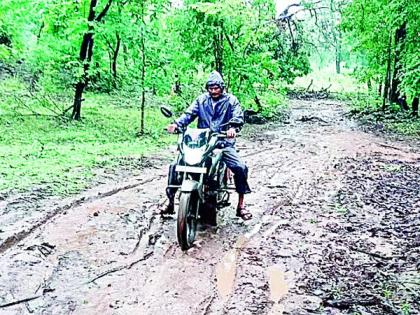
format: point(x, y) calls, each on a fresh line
point(239, 38)
point(60, 156)
point(242, 41)
point(406, 126)
point(367, 107)
point(372, 26)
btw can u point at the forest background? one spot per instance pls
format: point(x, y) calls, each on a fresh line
point(81, 81)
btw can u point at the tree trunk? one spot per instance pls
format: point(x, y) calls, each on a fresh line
point(415, 107)
point(394, 94)
point(85, 56)
point(388, 74)
point(115, 57)
point(177, 86)
point(41, 28)
point(86, 52)
point(338, 57)
point(258, 103)
point(77, 104)
point(218, 50)
point(143, 71)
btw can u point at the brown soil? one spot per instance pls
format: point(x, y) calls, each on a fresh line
point(335, 231)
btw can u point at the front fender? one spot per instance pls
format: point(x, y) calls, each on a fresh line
point(189, 185)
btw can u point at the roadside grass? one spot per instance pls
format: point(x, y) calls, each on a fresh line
point(410, 127)
point(368, 109)
point(342, 84)
point(59, 156)
point(363, 104)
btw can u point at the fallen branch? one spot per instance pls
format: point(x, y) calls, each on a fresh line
point(309, 86)
point(208, 304)
point(119, 268)
point(375, 255)
point(326, 89)
point(312, 118)
point(348, 303)
point(21, 301)
point(67, 109)
point(45, 291)
point(139, 237)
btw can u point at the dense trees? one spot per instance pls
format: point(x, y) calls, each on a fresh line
point(385, 35)
point(151, 47)
point(145, 46)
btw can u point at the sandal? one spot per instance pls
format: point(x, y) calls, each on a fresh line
point(243, 214)
point(169, 210)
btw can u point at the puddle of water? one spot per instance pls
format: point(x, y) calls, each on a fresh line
point(226, 268)
point(277, 282)
point(225, 274)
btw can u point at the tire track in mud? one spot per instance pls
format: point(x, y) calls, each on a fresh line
point(19, 236)
point(116, 255)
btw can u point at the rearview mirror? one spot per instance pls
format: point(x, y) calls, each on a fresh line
point(166, 111)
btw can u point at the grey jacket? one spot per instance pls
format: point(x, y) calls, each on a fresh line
point(226, 108)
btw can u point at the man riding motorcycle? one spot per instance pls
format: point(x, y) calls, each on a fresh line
point(215, 109)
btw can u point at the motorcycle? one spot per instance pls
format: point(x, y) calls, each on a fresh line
point(203, 180)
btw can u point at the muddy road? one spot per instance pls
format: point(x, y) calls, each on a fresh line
point(335, 231)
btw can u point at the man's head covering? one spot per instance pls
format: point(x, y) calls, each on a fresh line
point(215, 79)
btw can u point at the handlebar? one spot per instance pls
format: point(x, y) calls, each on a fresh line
point(221, 134)
point(178, 130)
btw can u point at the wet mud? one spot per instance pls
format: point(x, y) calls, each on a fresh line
point(335, 231)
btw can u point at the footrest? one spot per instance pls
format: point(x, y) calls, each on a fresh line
point(223, 204)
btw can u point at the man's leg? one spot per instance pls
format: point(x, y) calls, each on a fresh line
point(240, 171)
point(171, 192)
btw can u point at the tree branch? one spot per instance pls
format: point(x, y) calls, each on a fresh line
point(104, 11)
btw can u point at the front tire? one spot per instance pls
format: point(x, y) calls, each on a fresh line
point(187, 219)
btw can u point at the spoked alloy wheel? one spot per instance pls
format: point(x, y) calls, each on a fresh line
point(187, 219)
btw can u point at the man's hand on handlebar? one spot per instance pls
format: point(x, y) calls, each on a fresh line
point(231, 133)
point(172, 128)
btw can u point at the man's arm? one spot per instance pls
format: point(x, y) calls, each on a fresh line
point(189, 115)
point(186, 118)
point(237, 117)
point(237, 113)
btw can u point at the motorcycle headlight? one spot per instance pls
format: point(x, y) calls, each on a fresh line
point(193, 156)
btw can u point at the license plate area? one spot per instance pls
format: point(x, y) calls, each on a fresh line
point(191, 169)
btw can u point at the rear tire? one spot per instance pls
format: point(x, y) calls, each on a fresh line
point(187, 219)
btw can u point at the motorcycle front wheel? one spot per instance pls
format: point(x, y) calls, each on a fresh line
point(187, 219)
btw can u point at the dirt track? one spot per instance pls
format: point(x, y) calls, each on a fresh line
point(335, 231)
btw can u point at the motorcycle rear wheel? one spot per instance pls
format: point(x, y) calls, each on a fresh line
point(187, 219)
